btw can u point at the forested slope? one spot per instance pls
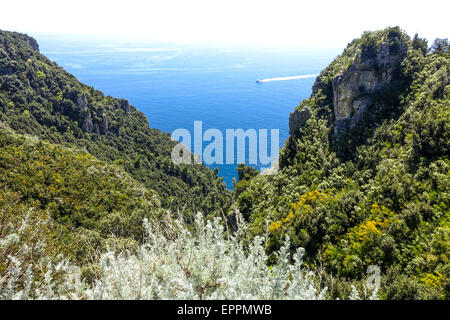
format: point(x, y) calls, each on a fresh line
point(39, 98)
point(66, 202)
point(364, 177)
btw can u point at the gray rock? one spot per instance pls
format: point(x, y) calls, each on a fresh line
point(82, 101)
point(33, 43)
point(103, 125)
point(92, 121)
point(297, 119)
point(96, 128)
point(126, 106)
point(87, 125)
point(352, 89)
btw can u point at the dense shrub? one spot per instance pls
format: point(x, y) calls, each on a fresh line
point(203, 264)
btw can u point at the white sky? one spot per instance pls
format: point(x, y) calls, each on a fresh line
point(268, 22)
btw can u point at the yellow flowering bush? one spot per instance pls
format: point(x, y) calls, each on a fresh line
point(436, 280)
point(303, 207)
point(360, 246)
point(368, 230)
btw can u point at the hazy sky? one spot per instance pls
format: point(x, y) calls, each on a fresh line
point(268, 22)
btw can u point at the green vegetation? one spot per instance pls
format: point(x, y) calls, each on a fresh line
point(80, 172)
point(201, 264)
point(39, 98)
point(245, 173)
point(74, 203)
point(377, 193)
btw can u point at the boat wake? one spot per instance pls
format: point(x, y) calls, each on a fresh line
point(305, 76)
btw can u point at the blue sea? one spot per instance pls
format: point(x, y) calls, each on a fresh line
point(175, 84)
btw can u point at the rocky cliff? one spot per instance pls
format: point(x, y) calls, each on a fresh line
point(352, 82)
point(353, 89)
point(297, 119)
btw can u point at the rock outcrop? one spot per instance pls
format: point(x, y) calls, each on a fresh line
point(99, 125)
point(103, 122)
point(126, 106)
point(33, 43)
point(297, 119)
point(82, 101)
point(91, 121)
point(87, 124)
point(368, 67)
point(353, 88)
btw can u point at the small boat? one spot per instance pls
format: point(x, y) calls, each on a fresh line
point(259, 81)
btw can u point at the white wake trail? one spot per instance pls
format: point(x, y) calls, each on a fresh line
point(305, 76)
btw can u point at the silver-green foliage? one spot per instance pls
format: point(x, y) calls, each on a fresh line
point(206, 263)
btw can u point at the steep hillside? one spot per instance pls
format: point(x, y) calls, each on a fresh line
point(39, 98)
point(365, 175)
point(68, 200)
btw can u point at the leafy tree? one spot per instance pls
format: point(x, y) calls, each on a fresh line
point(440, 46)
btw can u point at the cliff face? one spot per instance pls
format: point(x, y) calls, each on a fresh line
point(353, 79)
point(297, 119)
point(33, 43)
point(353, 89)
point(92, 121)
